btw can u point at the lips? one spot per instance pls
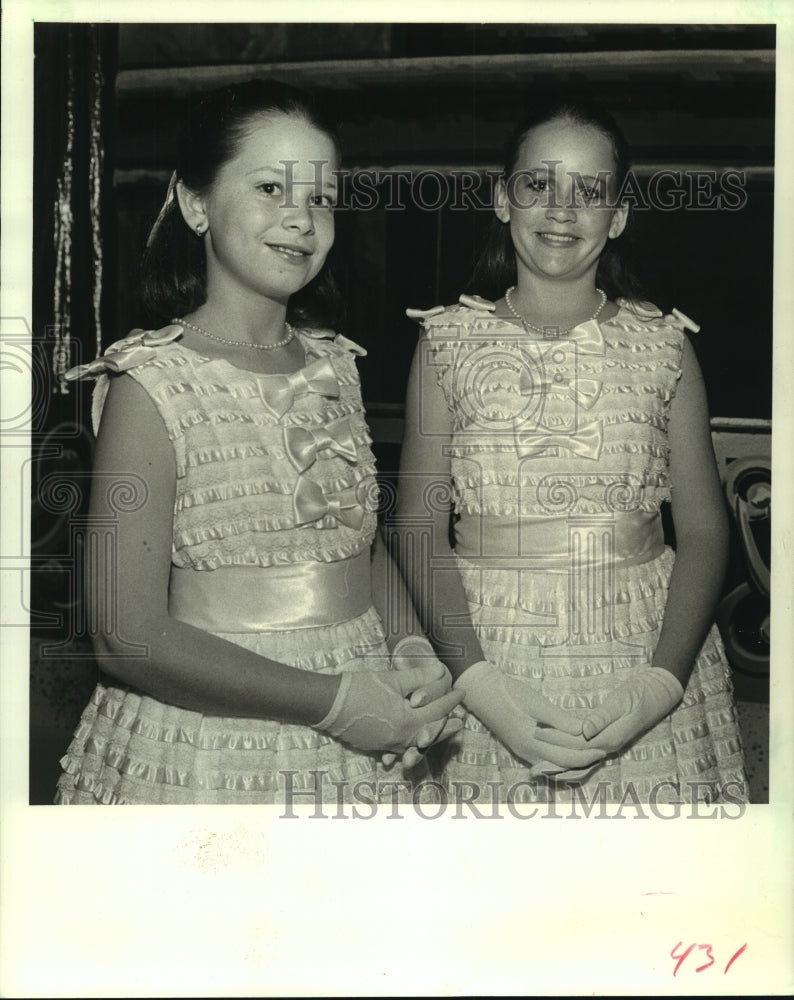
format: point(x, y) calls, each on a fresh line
point(557, 239)
point(288, 251)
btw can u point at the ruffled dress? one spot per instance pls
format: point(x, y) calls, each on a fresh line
point(559, 461)
point(275, 477)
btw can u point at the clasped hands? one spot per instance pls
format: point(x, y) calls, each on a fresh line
point(566, 744)
point(399, 712)
point(409, 653)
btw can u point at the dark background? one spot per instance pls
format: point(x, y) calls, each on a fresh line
point(407, 96)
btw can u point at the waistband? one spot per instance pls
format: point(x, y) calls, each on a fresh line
point(271, 598)
point(560, 543)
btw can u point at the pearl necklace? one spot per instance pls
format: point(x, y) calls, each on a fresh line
point(545, 330)
point(239, 343)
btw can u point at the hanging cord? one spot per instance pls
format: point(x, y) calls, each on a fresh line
point(64, 212)
point(62, 293)
point(95, 164)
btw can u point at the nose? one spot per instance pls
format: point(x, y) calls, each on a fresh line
point(561, 206)
point(298, 215)
point(562, 210)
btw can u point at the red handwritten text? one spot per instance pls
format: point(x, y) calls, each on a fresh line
point(698, 952)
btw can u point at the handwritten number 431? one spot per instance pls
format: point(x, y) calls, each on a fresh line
point(683, 955)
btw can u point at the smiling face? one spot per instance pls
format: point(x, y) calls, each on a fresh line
point(269, 211)
point(556, 200)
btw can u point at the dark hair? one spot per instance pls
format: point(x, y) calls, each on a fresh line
point(495, 269)
point(173, 269)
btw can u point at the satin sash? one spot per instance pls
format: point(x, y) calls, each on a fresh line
point(558, 543)
point(271, 598)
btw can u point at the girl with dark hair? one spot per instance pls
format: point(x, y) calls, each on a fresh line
point(496, 270)
point(237, 610)
point(174, 265)
point(557, 420)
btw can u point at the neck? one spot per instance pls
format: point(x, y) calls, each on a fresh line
point(555, 304)
point(258, 320)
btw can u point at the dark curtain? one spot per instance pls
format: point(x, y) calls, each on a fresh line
point(73, 301)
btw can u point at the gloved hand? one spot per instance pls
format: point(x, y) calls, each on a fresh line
point(635, 706)
point(371, 711)
point(415, 650)
point(511, 709)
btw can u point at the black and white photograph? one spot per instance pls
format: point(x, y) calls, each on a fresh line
point(387, 455)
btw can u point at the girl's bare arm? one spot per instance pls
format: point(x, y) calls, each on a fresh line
point(421, 536)
point(701, 526)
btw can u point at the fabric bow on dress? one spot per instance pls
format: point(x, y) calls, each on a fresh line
point(311, 504)
point(583, 391)
point(318, 376)
point(302, 443)
point(131, 352)
point(585, 441)
point(127, 353)
point(338, 338)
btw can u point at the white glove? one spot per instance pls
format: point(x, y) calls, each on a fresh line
point(635, 706)
point(371, 711)
point(413, 650)
point(511, 709)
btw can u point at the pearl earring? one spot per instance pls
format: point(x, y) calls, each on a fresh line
point(200, 229)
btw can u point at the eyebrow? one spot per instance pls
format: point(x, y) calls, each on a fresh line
point(600, 176)
point(329, 184)
point(267, 166)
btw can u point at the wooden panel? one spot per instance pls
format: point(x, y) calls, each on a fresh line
point(499, 70)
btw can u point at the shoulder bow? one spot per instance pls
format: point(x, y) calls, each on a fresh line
point(339, 339)
point(677, 318)
point(473, 302)
point(477, 302)
point(127, 353)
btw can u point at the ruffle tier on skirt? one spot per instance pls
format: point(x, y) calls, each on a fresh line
point(575, 650)
point(132, 749)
